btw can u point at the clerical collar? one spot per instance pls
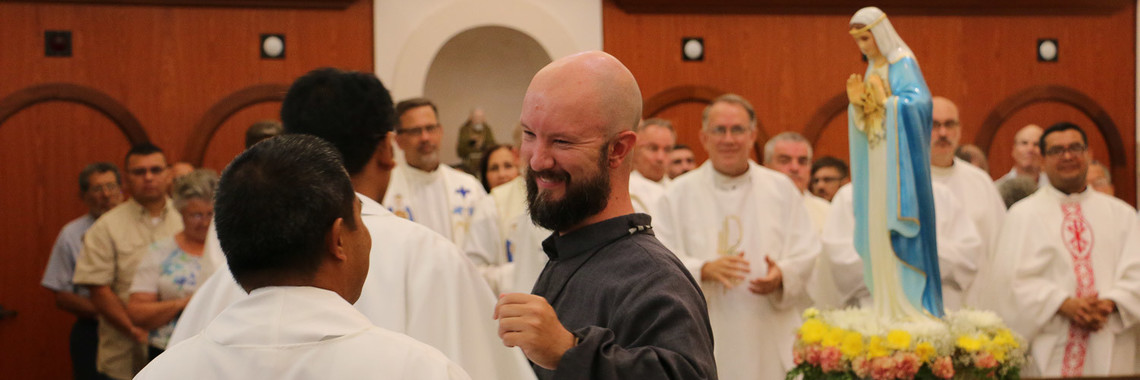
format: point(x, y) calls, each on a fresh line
point(594, 236)
point(417, 175)
point(1074, 197)
point(724, 182)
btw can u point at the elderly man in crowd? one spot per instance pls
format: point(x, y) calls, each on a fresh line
point(790, 153)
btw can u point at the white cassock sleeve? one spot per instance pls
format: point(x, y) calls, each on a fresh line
point(216, 294)
point(801, 249)
point(485, 247)
point(1126, 288)
point(839, 256)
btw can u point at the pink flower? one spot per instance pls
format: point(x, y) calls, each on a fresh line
point(943, 367)
point(862, 367)
point(830, 359)
point(908, 365)
point(884, 368)
point(813, 355)
point(798, 355)
point(986, 361)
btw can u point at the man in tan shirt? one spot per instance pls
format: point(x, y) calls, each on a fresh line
point(112, 249)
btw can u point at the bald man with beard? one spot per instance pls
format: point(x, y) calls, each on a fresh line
point(613, 302)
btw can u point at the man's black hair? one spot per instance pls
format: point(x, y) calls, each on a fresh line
point(830, 162)
point(275, 203)
point(141, 149)
point(1062, 126)
point(351, 110)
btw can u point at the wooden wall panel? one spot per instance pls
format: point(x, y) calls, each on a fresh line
point(789, 63)
point(167, 65)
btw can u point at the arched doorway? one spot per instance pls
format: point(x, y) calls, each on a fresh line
point(488, 67)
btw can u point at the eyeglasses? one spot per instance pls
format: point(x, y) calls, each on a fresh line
point(139, 172)
point(418, 130)
point(1060, 150)
point(199, 216)
point(947, 124)
point(826, 179)
point(736, 130)
point(106, 187)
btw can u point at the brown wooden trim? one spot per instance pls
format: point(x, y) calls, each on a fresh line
point(326, 4)
point(830, 109)
point(222, 110)
point(942, 7)
point(68, 92)
point(1052, 93)
point(679, 94)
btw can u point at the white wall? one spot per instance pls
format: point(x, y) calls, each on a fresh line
point(409, 33)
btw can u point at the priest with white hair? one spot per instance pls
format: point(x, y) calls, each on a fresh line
point(743, 232)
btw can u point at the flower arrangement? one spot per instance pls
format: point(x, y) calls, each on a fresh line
point(853, 344)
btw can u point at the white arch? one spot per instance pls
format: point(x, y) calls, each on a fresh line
point(406, 71)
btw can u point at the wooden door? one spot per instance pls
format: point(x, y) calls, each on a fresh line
point(42, 149)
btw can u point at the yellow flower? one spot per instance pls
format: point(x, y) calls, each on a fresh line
point(813, 331)
point(852, 344)
point(898, 340)
point(833, 337)
point(998, 354)
point(811, 312)
point(1005, 340)
point(969, 343)
point(925, 351)
point(875, 348)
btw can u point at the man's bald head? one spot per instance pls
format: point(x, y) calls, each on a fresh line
point(589, 80)
point(578, 118)
point(1026, 155)
point(945, 132)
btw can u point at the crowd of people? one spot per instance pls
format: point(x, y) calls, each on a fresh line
point(593, 247)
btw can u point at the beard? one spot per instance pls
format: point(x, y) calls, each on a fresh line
point(583, 198)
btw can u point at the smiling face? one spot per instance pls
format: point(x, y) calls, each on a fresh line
point(502, 167)
point(654, 144)
point(1066, 161)
point(1026, 153)
point(728, 138)
point(196, 217)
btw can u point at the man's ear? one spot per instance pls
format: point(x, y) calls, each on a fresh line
point(620, 147)
point(385, 155)
point(335, 240)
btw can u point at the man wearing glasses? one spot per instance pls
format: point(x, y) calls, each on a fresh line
point(112, 249)
point(1071, 256)
point(422, 189)
point(971, 185)
point(99, 188)
point(742, 231)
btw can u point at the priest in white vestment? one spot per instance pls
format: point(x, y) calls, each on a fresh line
point(419, 283)
point(742, 231)
point(790, 153)
point(422, 189)
point(303, 267)
point(487, 244)
point(1073, 266)
point(960, 253)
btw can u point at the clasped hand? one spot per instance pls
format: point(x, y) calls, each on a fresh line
point(1089, 312)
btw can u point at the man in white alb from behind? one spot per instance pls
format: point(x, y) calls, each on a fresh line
point(1073, 268)
point(419, 283)
point(303, 267)
point(742, 231)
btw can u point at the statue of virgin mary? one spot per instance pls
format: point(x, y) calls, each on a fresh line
point(889, 122)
